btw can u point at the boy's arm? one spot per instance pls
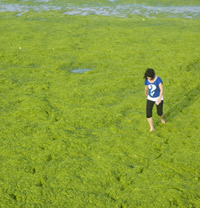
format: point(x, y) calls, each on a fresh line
point(161, 94)
point(146, 90)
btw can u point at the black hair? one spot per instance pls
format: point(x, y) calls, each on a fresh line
point(149, 73)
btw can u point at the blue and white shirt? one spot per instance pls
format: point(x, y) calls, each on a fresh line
point(154, 89)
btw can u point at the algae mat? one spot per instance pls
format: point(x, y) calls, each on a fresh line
point(81, 139)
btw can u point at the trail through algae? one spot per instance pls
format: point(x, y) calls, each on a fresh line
point(81, 140)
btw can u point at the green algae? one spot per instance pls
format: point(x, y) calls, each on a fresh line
point(82, 140)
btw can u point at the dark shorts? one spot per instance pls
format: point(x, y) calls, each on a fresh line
point(149, 108)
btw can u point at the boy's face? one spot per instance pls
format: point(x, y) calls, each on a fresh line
point(149, 78)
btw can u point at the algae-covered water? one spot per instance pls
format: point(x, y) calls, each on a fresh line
point(73, 130)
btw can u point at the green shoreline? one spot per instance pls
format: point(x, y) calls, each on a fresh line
point(82, 140)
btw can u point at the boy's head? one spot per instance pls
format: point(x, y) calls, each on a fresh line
point(149, 74)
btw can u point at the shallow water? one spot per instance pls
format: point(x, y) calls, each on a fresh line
point(25, 8)
point(119, 10)
point(80, 71)
point(138, 9)
point(40, 1)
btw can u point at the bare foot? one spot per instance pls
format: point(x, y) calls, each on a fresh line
point(162, 121)
point(152, 129)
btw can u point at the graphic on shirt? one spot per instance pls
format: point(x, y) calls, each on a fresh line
point(152, 89)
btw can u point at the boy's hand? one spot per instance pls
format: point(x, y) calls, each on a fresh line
point(158, 101)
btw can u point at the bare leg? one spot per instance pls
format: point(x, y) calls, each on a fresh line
point(162, 119)
point(150, 121)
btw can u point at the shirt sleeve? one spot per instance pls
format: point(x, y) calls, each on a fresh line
point(159, 80)
point(145, 82)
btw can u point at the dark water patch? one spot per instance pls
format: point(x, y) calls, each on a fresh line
point(80, 71)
